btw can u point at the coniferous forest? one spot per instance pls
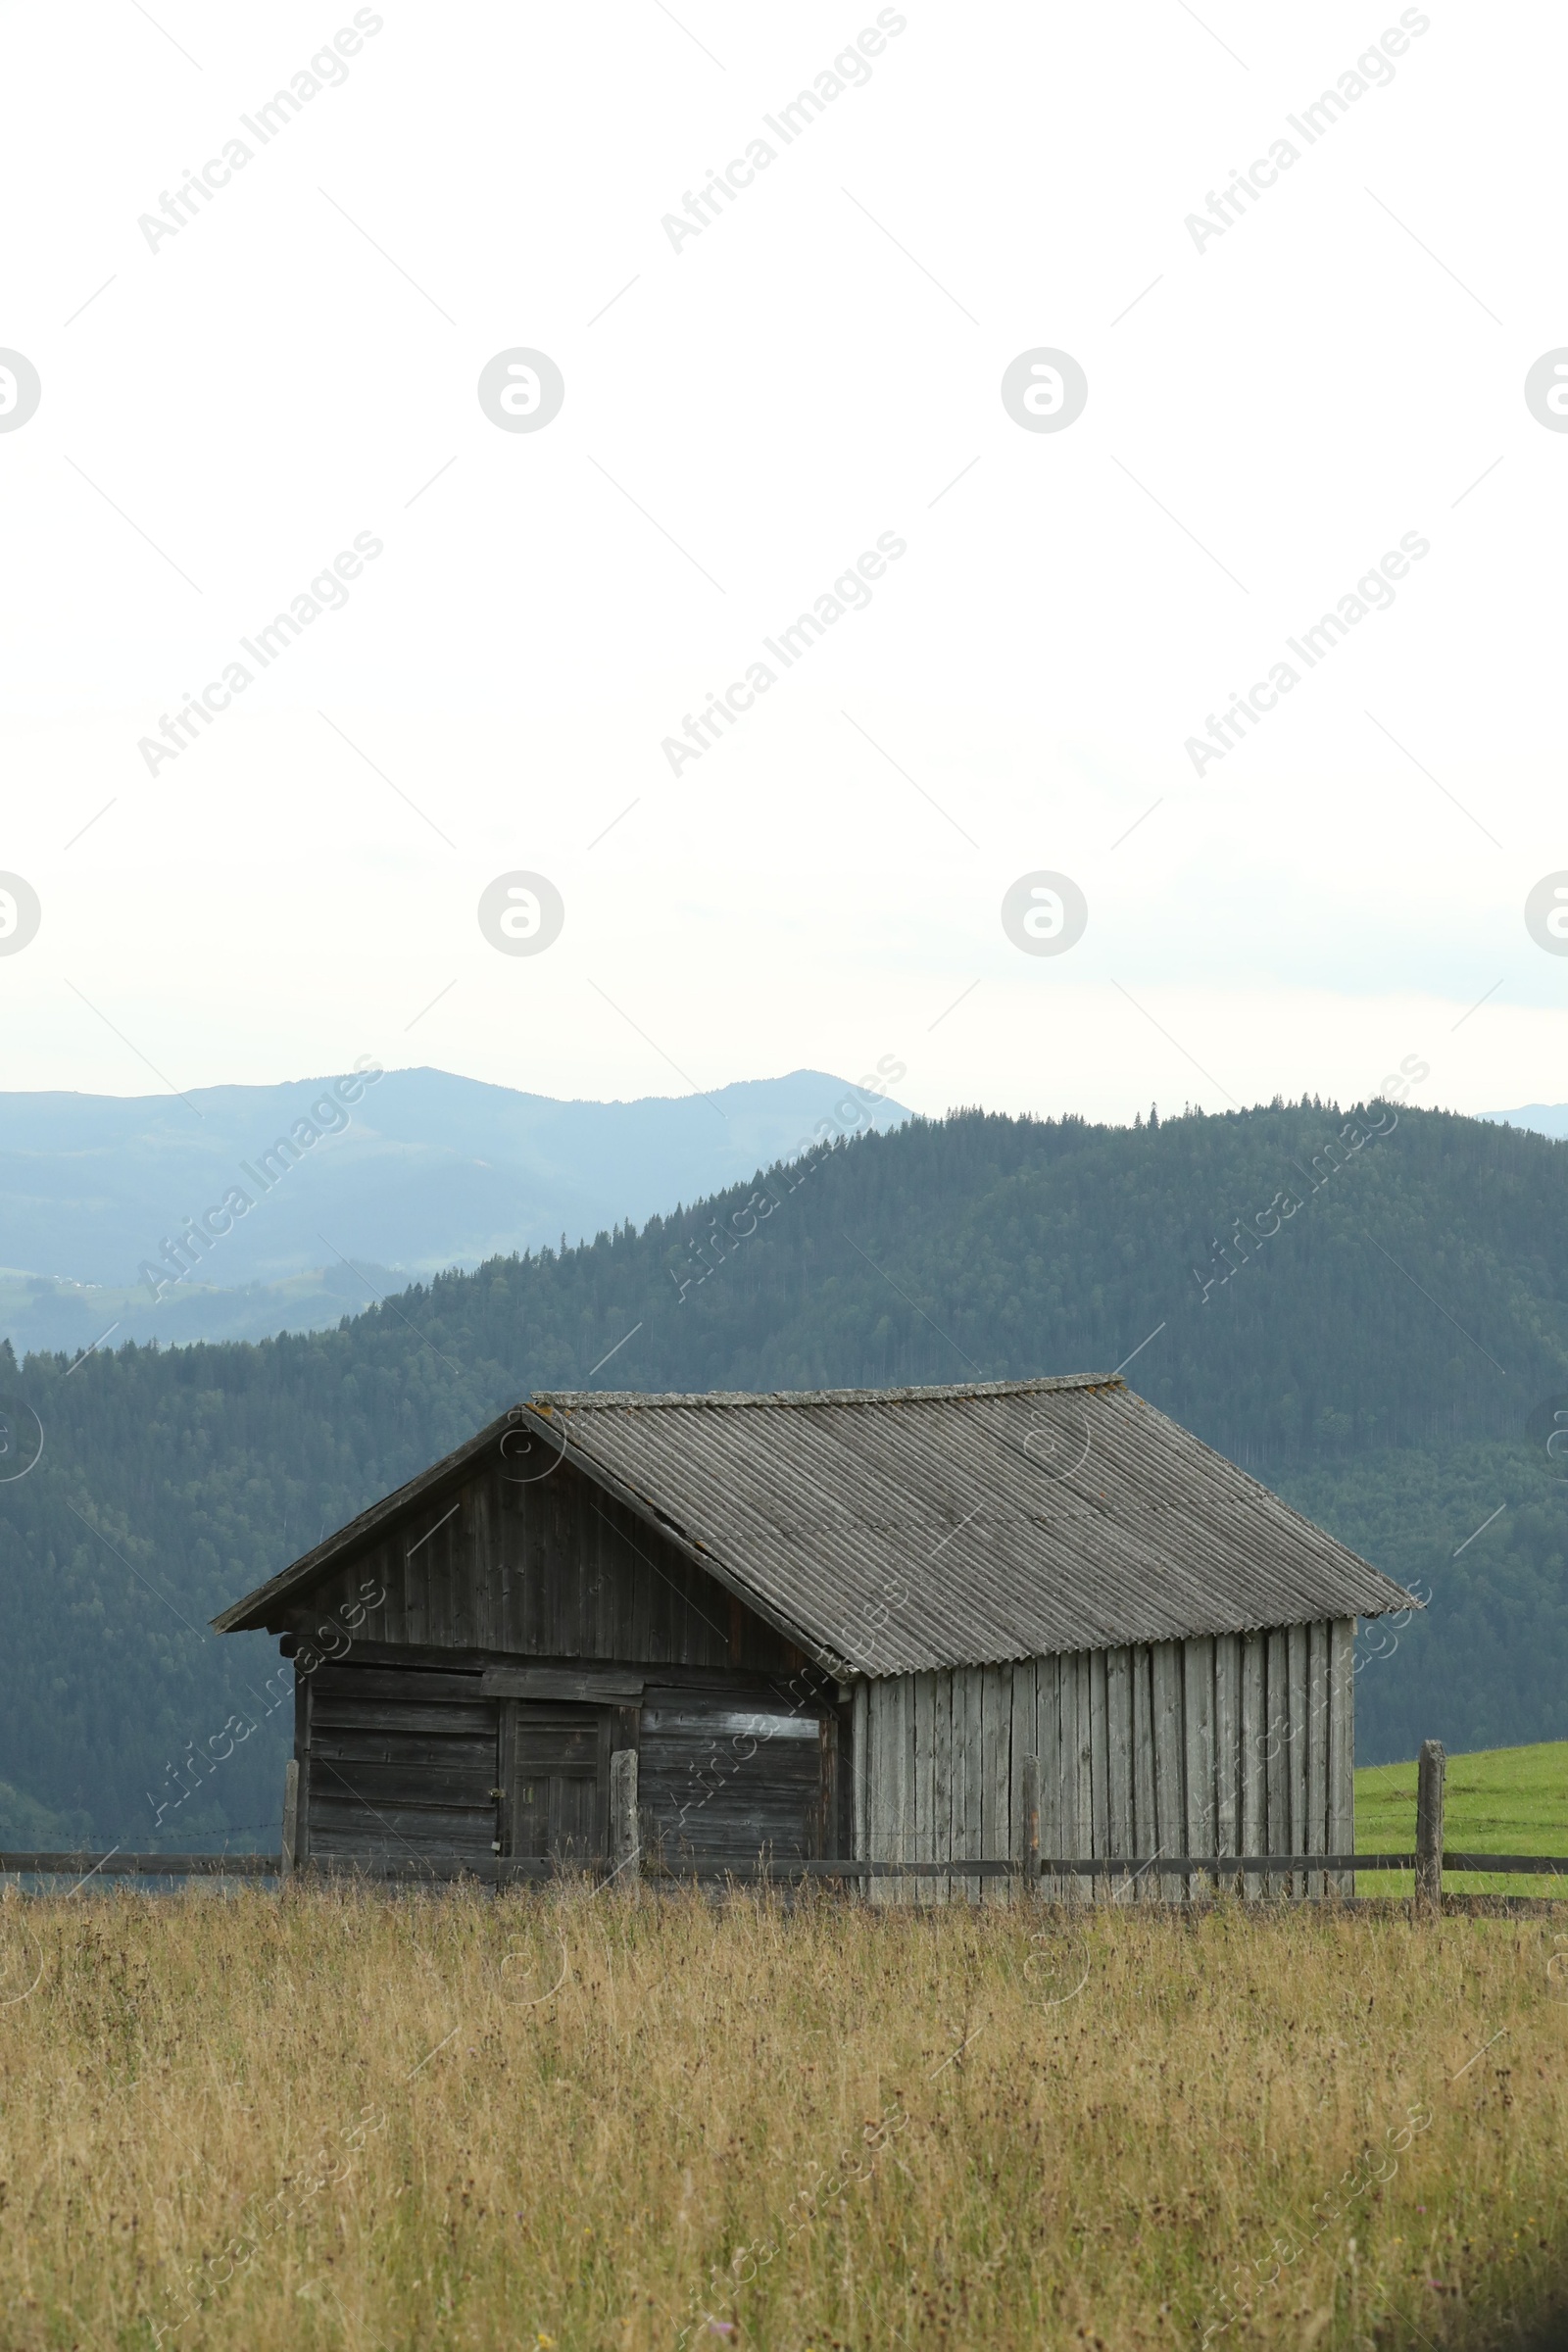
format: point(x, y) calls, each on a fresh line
point(1368, 1310)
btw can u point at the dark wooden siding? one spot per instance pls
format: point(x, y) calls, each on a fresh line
point(399, 1768)
point(550, 1567)
point(409, 1763)
point(731, 1776)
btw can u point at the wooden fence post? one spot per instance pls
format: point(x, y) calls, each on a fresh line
point(1029, 1802)
point(625, 1853)
point(291, 1816)
point(1429, 1827)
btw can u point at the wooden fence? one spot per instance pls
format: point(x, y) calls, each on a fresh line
point(502, 1872)
point(1429, 1860)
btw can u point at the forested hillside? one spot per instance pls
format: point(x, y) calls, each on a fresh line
point(1370, 1311)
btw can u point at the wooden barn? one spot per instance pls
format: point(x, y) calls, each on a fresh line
point(861, 1624)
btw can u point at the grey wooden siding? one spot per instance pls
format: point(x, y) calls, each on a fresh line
point(1220, 1744)
point(552, 1567)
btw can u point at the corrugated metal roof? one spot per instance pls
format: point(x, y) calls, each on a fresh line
point(900, 1529)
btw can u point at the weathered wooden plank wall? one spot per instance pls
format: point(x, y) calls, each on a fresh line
point(548, 1567)
point(1254, 1762)
point(1341, 1745)
point(414, 1763)
point(1234, 1744)
point(728, 1779)
point(397, 1765)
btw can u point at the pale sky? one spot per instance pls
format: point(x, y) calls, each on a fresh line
point(1272, 408)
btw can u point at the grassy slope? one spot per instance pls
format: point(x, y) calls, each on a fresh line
point(336, 2122)
point(1504, 1801)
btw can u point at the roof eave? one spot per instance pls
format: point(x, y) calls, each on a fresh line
point(250, 1614)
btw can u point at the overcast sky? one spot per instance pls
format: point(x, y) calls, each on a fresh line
point(238, 387)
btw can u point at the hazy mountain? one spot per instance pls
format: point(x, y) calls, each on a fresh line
point(347, 1198)
point(1540, 1118)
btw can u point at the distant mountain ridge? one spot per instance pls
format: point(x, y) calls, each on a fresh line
point(213, 1214)
point(1540, 1118)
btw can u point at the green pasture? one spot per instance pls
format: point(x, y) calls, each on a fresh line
point(1499, 1800)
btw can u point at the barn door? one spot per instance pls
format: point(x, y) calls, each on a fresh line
point(555, 1781)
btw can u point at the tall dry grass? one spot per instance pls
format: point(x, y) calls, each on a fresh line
point(338, 2120)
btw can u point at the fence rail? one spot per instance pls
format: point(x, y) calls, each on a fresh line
point(503, 1872)
point(120, 1865)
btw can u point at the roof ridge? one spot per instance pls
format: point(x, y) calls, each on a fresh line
point(784, 1399)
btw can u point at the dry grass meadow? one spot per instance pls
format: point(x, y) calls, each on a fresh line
point(340, 2120)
